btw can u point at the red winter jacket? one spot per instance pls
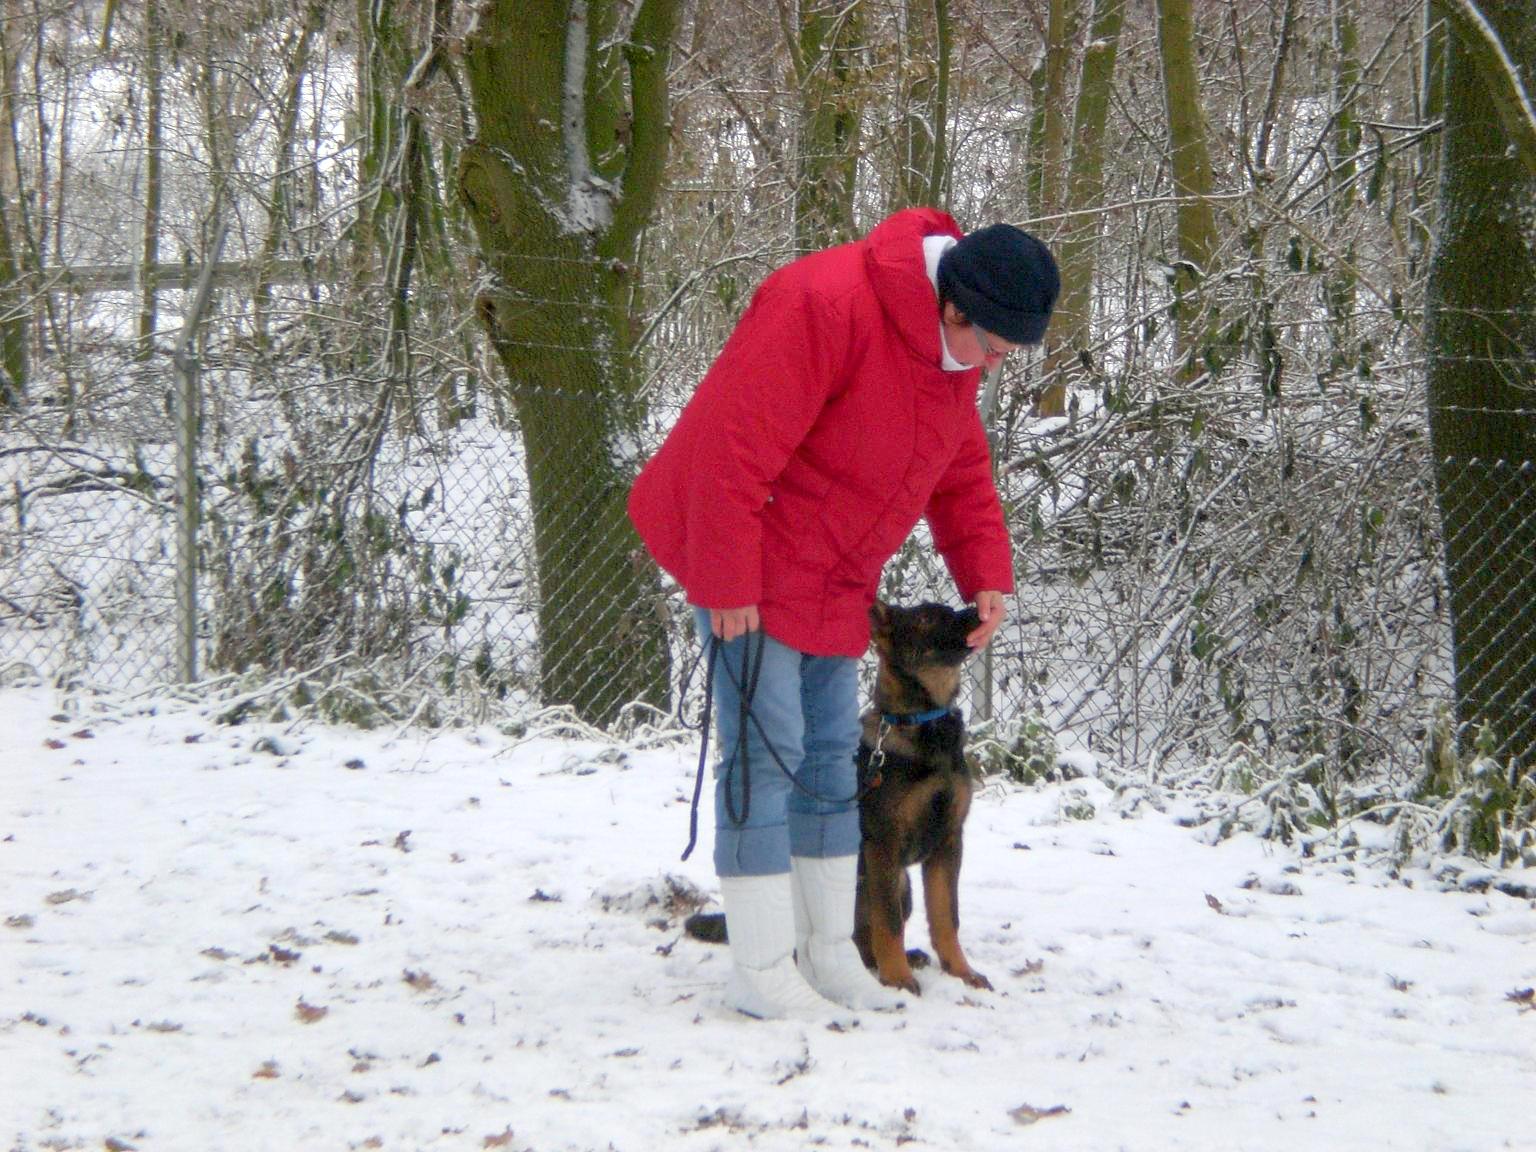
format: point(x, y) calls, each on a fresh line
point(820, 435)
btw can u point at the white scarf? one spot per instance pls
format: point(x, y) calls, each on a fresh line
point(933, 248)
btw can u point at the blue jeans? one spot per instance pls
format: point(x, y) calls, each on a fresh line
point(809, 708)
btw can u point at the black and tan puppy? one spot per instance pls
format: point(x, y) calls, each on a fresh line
point(917, 790)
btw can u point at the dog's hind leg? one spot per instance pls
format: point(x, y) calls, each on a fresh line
point(861, 906)
point(941, 896)
point(883, 876)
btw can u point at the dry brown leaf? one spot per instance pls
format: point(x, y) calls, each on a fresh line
point(1029, 1114)
point(309, 1013)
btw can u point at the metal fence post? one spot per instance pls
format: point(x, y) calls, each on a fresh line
point(185, 360)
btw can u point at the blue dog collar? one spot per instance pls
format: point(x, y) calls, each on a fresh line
point(898, 719)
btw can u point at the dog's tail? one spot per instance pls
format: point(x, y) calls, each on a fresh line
point(706, 926)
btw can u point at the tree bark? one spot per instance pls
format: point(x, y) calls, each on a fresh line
point(560, 182)
point(1048, 124)
point(1346, 144)
point(1481, 336)
point(277, 205)
point(154, 100)
point(19, 251)
point(824, 48)
point(1072, 323)
point(923, 111)
point(1190, 164)
point(1478, 29)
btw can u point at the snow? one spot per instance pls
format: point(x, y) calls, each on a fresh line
point(262, 935)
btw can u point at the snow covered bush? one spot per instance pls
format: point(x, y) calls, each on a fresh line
point(1023, 748)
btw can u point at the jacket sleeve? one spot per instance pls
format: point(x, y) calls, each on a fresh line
point(965, 515)
point(758, 401)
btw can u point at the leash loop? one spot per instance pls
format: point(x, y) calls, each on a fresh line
point(698, 780)
point(746, 689)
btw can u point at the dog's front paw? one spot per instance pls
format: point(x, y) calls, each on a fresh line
point(904, 981)
point(976, 979)
point(968, 974)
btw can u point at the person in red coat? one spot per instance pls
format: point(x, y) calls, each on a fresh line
point(841, 410)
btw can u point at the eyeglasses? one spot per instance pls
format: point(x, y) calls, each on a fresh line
point(987, 349)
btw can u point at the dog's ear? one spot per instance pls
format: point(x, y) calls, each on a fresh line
point(880, 619)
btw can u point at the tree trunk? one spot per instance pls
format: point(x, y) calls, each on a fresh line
point(559, 212)
point(1430, 101)
point(1489, 58)
point(921, 148)
point(824, 52)
point(1346, 144)
point(1073, 336)
point(154, 100)
point(17, 250)
point(42, 225)
point(282, 176)
point(1190, 164)
point(1481, 336)
point(384, 56)
point(1048, 123)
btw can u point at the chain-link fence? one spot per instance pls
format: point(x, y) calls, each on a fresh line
point(1180, 596)
point(1490, 561)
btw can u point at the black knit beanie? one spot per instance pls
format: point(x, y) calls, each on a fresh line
point(1003, 279)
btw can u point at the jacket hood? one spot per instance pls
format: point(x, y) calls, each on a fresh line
point(897, 268)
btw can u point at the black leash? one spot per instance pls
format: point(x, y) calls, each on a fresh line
point(746, 689)
point(709, 701)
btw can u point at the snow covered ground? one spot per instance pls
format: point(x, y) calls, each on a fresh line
point(260, 936)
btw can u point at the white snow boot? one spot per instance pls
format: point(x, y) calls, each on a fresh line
point(824, 948)
point(759, 920)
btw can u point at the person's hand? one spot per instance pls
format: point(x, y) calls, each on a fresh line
point(729, 623)
point(993, 611)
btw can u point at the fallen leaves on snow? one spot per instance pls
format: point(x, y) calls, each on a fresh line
point(1028, 1114)
point(309, 1013)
